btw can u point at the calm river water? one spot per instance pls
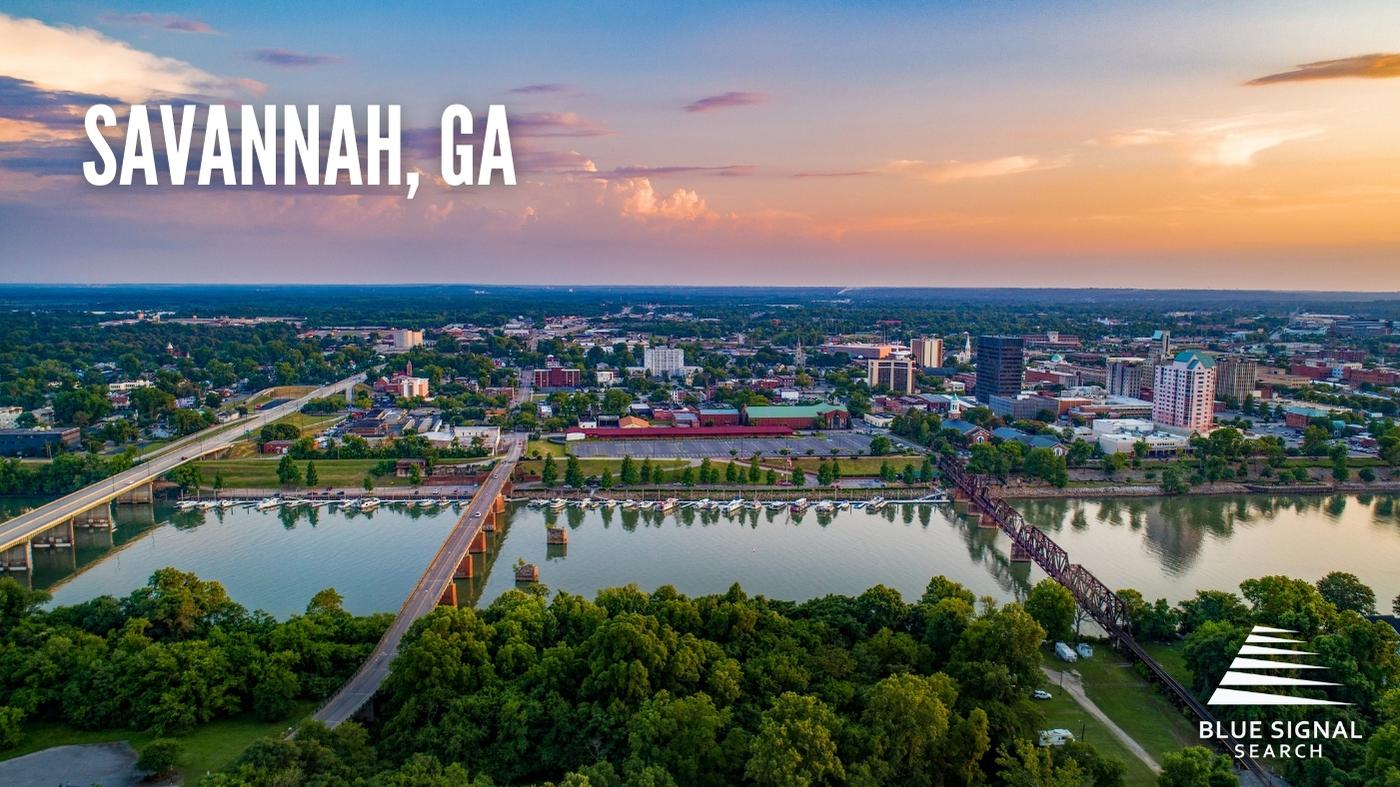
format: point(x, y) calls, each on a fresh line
point(1163, 547)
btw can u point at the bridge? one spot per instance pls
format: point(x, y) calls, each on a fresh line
point(53, 524)
point(1030, 544)
point(435, 588)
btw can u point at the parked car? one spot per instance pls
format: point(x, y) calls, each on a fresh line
point(1041, 694)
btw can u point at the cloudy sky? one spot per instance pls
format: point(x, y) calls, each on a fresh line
point(934, 144)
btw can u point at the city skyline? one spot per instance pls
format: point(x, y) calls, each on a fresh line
point(895, 145)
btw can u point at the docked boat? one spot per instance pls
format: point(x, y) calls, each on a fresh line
point(875, 503)
point(777, 505)
point(227, 504)
point(268, 502)
point(826, 506)
point(754, 505)
point(629, 504)
point(185, 505)
point(733, 505)
point(800, 504)
point(369, 504)
point(667, 504)
point(558, 504)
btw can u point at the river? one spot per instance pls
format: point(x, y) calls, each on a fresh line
point(1164, 547)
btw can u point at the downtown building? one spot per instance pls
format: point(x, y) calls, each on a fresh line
point(896, 374)
point(927, 351)
point(1235, 376)
point(1126, 376)
point(1183, 398)
point(1001, 367)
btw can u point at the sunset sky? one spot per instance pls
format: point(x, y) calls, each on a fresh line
point(1181, 144)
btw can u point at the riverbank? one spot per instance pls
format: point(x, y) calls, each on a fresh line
point(1018, 492)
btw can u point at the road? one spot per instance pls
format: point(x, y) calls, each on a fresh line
point(424, 597)
point(26, 526)
point(1074, 687)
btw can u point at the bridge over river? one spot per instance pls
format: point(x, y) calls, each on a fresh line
point(1030, 543)
point(435, 588)
point(52, 524)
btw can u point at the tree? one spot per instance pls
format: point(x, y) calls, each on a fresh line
point(731, 473)
point(755, 472)
point(187, 477)
point(1044, 464)
point(1347, 592)
point(771, 477)
point(795, 744)
point(11, 727)
point(926, 471)
point(824, 474)
point(688, 476)
point(909, 476)
point(287, 473)
point(906, 720)
point(880, 445)
point(368, 483)
point(606, 480)
point(629, 472)
point(415, 474)
point(1172, 483)
point(799, 478)
point(1196, 766)
point(1395, 605)
point(1209, 650)
point(1367, 475)
point(160, 756)
point(573, 472)
point(1052, 606)
point(549, 473)
point(312, 478)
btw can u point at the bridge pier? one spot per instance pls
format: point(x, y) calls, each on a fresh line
point(465, 568)
point(489, 522)
point(449, 596)
point(141, 494)
point(100, 516)
point(478, 544)
point(19, 557)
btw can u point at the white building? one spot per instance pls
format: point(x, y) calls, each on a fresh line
point(405, 339)
point(1120, 435)
point(663, 361)
point(9, 416)
point(1183, 398)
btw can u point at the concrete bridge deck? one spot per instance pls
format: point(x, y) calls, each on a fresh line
point(435, 586)
point(18, 532)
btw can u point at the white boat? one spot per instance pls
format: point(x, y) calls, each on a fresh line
point(826, 506)
point(668, 504)
point(800, 504)
point(843, 504)
point(185, 505)
point(646, 505)
point(609, 502)
point(754, 505)
point(777, 505)
point(733, 505)
point(226, 504)
point(205, 505)
point(369, 504)
point(558, 504)
point(629, 504)
point(269, 502)
point(875, 503)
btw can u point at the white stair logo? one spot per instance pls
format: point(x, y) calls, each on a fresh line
point(1266, 641)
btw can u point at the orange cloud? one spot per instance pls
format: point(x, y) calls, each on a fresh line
point(1376, 66)
point(952, 171)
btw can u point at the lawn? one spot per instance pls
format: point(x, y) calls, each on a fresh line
point(546, 447)
point(261, 472)
point(209, 747)
point(1171, 658)
point(853, 465)
point(311, 423)
point(1133, 703)
point(1062, 711)
point(596, 466)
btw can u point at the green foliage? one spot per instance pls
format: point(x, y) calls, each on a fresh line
point(1347, 592)
point(159, 756)
point(1052, 606)
point(287, 472)
point(880, 446)
point(11, 729)
point(172, 655)
point(549, 471)
point(311, 476)
point(573, 472)
point(1196, 766)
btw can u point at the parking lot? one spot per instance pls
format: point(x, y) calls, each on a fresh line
point(848, 443)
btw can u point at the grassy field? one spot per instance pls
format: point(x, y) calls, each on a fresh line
point(853, 465)
point(596, 466)
point(546, 448)
point(1171, 659)
point(311, 424)
point(262, 472)
point(209, 747)
point(1134, 704)
point(1062, 711)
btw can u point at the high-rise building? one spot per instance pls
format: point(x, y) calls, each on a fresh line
point(1001, 366)
point(1183, 397)
point(1125, 376)
point(1235, 376)
point(896, 374)
point(927, 351)
point(663, 361)
point(405, 339)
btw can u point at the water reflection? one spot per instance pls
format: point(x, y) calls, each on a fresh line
point(1166, 547)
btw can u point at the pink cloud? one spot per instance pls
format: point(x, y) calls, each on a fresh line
point(725, 101)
